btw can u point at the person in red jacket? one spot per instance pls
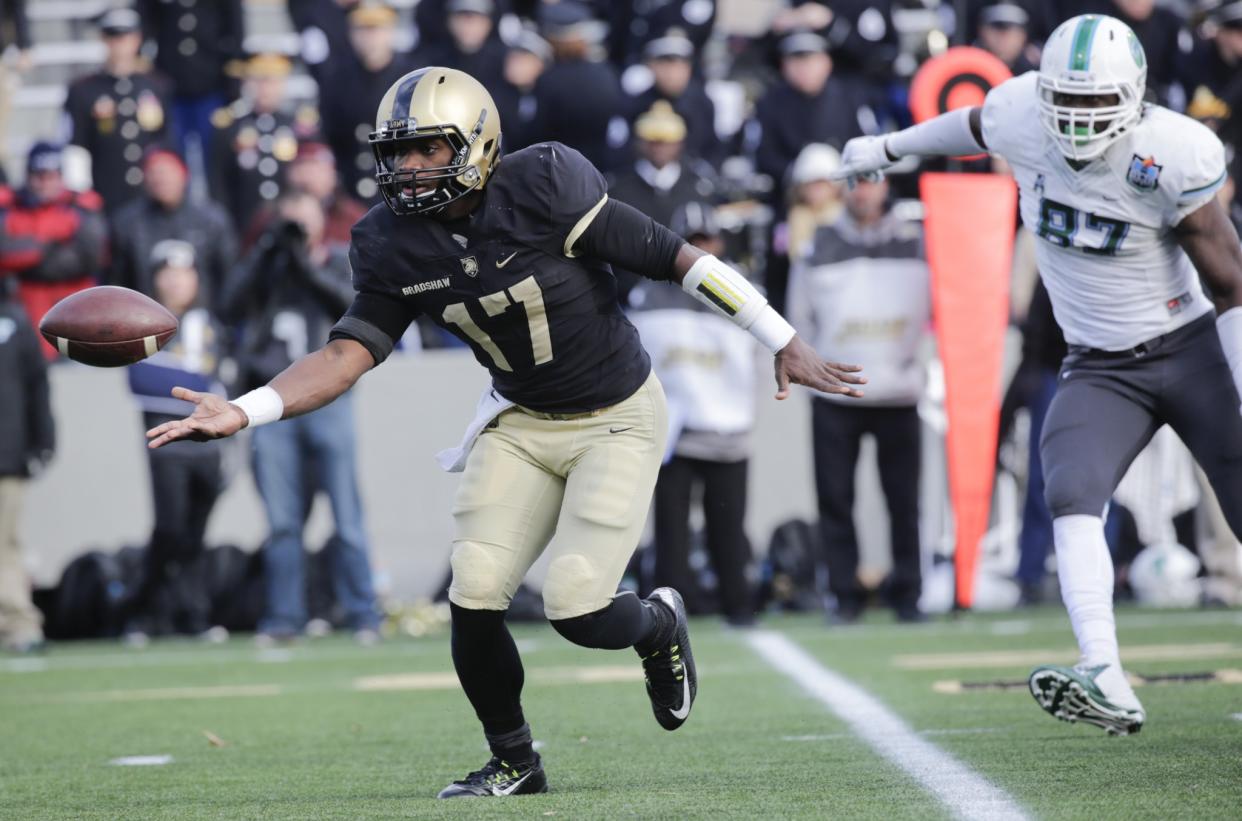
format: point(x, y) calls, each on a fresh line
point(53, 239)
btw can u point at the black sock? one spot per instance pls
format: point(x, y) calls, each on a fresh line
point(490, 671)
point(663, 625)
point(514, 747)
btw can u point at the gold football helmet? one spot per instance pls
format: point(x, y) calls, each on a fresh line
point(435, 102)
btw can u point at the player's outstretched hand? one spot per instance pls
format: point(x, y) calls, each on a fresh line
point(213, 418)
point(798, 363)
point(863, 158)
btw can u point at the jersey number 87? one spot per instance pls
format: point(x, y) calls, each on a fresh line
point(1058, 223)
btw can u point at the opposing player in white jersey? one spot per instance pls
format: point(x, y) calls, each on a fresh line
point(1121, 196)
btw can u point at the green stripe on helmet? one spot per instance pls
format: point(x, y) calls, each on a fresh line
point(1084, 33)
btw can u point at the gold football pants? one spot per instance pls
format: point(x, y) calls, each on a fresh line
point(579, 486)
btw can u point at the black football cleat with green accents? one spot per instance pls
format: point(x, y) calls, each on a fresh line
point(500, 778)
point(672, 682)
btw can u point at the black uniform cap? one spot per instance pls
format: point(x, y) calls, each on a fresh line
point(119, 21)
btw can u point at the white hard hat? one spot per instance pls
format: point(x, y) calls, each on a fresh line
point(816, 162)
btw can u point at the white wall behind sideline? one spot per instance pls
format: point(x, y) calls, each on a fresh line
point(97, 491)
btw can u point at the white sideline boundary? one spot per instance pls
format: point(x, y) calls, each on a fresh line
point(965, 793)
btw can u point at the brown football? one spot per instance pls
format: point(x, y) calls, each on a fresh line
point(108, 326)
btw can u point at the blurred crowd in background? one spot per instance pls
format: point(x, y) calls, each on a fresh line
point(219, 174)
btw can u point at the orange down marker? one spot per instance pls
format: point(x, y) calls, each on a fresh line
point(970, 222)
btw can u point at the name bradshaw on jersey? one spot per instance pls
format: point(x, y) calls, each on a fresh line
point(1107, 253)
point(433, 285)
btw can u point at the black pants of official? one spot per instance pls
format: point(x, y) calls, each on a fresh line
point(173, 595)
point(1108, 405)
point(723, 487)
point(838, 430)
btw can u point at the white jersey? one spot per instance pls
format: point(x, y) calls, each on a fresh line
point(1105, 249)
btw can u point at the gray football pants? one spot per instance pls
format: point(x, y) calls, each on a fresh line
point(1109, 404)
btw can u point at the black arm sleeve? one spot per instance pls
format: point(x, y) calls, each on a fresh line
point(624, 236)
point(376, 322)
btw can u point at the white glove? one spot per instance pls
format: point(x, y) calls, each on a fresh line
point(863, 158)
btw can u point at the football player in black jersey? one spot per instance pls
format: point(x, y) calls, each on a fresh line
point(513, 258)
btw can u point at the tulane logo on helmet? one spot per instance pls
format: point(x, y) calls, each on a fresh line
point(1092, 78)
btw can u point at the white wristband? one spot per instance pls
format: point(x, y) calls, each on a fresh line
point(1229, 328)
point(730, 294)
point(771, 329)
point(261, 405)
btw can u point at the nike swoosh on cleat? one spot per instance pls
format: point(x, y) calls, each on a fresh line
point(509, 789)
point(620, 430)
point(681, 714)
point(500, 263)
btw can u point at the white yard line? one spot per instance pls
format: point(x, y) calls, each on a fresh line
point(965, 793)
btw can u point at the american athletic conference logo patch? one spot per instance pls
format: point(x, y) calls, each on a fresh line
point(1144, 174)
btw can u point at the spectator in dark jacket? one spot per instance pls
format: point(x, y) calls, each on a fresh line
point(1003, 33)
point(472, 45)
point(351, 88)
point(632, 25)
point(1213, 73)
point(52, 238)
point(580, 95)
point(27, 438)
point(661, 179)
point(186, 478)
point(860, 33)
point(165, 212)
point(314, 172)
point(1158, 29)
point(119, 111)
point(670, 62)
point(323, 28)
point(197, 40)
point(516, 101)
point(256, 138)
point(809, 105)
point(286, 295)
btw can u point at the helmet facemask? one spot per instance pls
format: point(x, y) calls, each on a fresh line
point(1072, 114)
point(448, 183)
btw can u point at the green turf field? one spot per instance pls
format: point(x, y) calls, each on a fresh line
point(327, 729)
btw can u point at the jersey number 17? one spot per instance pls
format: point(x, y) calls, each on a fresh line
point(530, 295)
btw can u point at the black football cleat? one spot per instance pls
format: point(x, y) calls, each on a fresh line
point(500, 778)
point(672, 682)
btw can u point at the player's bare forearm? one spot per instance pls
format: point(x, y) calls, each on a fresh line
point(311, 382)
point(320, 377)
point(1209, 239)
point(686, 257)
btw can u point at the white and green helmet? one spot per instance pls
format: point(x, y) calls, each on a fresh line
point(1091, 55)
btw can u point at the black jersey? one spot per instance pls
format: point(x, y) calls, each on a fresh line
point(504, 281)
